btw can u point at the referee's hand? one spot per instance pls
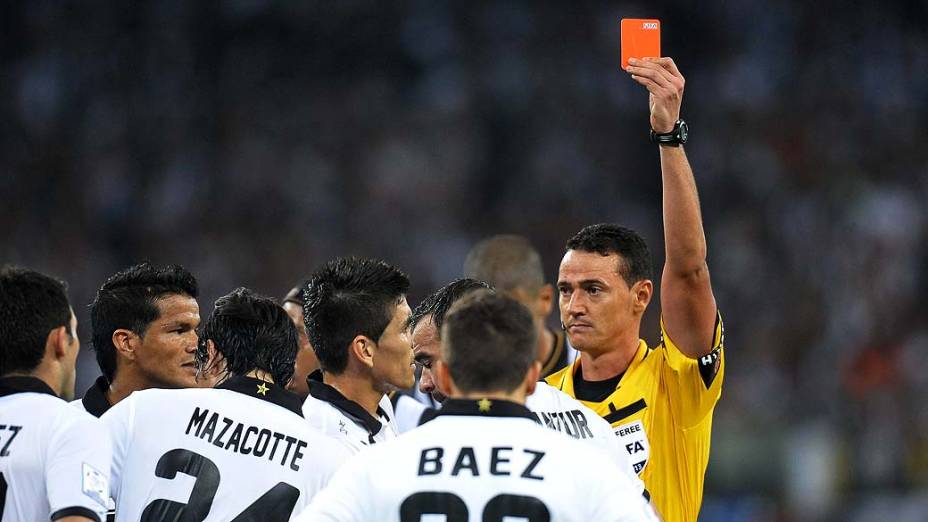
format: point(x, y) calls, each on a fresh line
point(665, 85)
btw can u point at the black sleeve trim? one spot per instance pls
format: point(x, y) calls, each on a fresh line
point(709, 366)
point(646, 494)
point(75, 511)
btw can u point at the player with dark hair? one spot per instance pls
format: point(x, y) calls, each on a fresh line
point(245, 443)
point(659, 400)
point(512, 265)
point(306, 361)
point(424, 326)
point(483, 456)
point(54, 462)
point(144, 322)
point(552, 408)
point(355, 312)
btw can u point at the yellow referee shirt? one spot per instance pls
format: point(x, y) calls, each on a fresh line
point(661, 411)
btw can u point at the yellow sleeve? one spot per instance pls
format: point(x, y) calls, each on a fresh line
point(694, 385)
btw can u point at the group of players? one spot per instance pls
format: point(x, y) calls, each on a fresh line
point(270, 412)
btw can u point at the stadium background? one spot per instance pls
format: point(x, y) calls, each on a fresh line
point(251, 140)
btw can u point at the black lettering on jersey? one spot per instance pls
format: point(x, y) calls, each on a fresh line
point(290, 441)
point(709, 366)
point(210, 429)
point(196, 420)
point(430, 461)
point(634, 447)
point(546, 420)
point(260, 448)
point(583, 427)
point(465, 460)
point(228, 424)
point(5, 451)
point(251, 429)
point(567, 420)
point(536, 458)
point(277, 438)
point(496, 459)
point(298, 455)
point(236, 438)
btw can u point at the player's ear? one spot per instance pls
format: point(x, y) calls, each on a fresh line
point(546, 299)
point(125, 341)
point(531, 377)
point(643, 291)
point(58, 341)
point(362, 348)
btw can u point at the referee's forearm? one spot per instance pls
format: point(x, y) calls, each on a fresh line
point(684, 238)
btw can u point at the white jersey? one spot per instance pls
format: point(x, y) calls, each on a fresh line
point(54, 459)
point(556, 410)
point(480, 460)
point(239, 450)
point(338, 417)
point(407, 411)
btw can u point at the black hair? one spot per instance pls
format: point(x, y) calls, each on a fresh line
point(32, 304)
point(507, 262)
point(489, 342)
point(250, 332)
point(348, 297)
point(128, 300)
point(606, 239)
point(438, 303)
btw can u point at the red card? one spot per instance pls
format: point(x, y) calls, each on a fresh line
point(641, 38)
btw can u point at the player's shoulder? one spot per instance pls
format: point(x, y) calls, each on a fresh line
point(546, 392)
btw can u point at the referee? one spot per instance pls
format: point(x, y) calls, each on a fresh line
point(659, 400)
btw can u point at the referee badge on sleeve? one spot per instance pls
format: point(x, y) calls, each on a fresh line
point(95, 485)
point(634, 440)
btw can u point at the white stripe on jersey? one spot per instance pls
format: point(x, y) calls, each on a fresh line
point(54, 458)
point(215, 454)
point(472, 467)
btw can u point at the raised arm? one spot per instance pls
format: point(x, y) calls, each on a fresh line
point(687, 303)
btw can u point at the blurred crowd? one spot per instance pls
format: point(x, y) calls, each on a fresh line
point(251, 140)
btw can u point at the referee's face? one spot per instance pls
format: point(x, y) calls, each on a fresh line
point(596, 304)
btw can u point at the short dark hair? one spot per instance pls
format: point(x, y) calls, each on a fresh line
point(439, 302)
point(32, 304)
point(348, 297)
point(128, 299)
point(507, 262)
point(606, 239)
point(251, 332)
point(489, 342)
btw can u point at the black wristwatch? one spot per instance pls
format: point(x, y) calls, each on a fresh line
point(676, 137)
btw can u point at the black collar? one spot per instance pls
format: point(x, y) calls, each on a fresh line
point(23, 384)
point(323, 392)
point(263, 390)
point(95, 401)
point(479, 408)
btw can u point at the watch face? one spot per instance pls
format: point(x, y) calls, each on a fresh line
point(684, 131)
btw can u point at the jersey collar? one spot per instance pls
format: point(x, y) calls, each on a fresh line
point(23, 384)
point(95, 401)
point(263, 390)
point(482, 408)
point(323, 392)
